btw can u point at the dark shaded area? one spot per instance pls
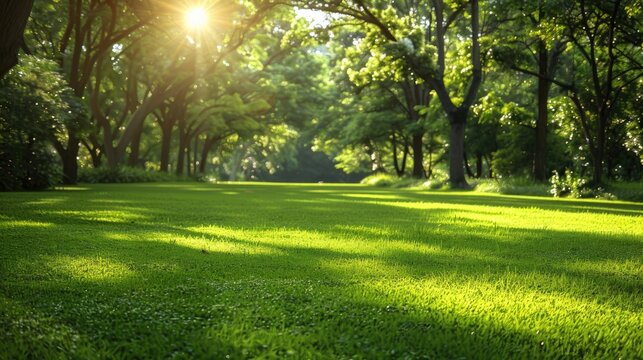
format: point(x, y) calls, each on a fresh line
point(312, 167)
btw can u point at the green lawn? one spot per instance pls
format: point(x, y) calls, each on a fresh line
point(316, 271)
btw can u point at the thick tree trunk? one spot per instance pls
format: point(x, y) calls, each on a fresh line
point(456, 149)
point(13, 21)
point(544, 84)
point(418, 156)
point(69, 160)
point(110, 154)
point(205, 152)
point(597, 171)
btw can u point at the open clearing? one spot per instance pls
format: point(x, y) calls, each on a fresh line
point(316, 271)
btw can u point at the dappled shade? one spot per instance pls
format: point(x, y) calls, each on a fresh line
point(229, 269)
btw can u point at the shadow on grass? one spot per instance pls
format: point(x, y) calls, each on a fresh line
point(172, 291)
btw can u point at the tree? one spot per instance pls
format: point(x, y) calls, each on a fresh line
point(13, 21)
point(35, 108)
point(607, 64)
point(78, 42)
point(530, 42)
point(426, 52)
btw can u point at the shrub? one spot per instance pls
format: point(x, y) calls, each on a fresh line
point(122, 175)
point(27, 166)
point(568, 185)
point(512, 186)
point(630, 191)
point(380, 179)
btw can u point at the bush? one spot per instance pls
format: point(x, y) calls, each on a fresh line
point(381, 180)
point(122, 175)
point(27, 166)
point(438, 181)
point(629, 191)
point(512, 186)
point(568, 185)
point(387, 180)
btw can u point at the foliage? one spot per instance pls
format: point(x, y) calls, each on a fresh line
point(439, 181)
point(568, 185)
point(35, 107)
point(632, 191)
point(376, 86)
point(512, 186)
point(122, 174)
point(380, 180)
point(204, 271)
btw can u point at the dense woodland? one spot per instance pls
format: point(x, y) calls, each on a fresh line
point(315, 90)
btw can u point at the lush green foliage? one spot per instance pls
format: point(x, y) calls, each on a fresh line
point(275, 271)
point(476, 89)
point(122, 175)
point(513, 186)
point(35, 107)
point(567, 184)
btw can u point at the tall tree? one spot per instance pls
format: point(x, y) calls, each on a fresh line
point(78, 42)
point(420, 53)
point(529, 42)
point(608, 62)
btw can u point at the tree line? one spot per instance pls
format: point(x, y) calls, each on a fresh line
point(495, 88)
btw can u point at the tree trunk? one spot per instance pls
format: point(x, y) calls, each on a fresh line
point(396, 164)
point(457, 122)
point(166, 141)
point(135, 148)
point(196, 156)
point(489, 160)
point(188, 155)
point(69, 160)
point(94, 150)
point(599, 153)
point(457, 115)
point(418, 156)
point(95, 157)
point(597, 171)
point(544, 84)
point(405, 156)
point(180, 161)
point(13, 21)
point(478, 165)
point(205, 151)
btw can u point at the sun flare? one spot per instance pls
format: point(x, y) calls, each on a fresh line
point(196, 18)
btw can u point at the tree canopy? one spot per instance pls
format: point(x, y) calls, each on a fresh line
point(325, 90)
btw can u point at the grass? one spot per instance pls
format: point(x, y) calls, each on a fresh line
point(185, 270)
